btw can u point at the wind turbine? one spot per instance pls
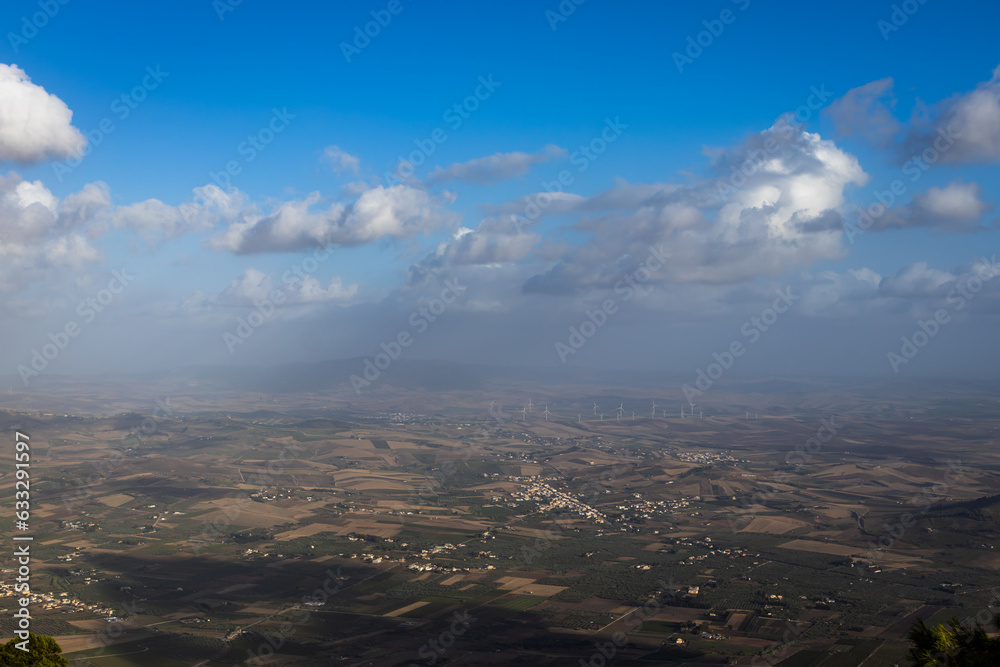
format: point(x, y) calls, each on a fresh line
point(633, 415)
point(652, 415)
point(682, 412)
point(595, 409)
point(602, 416)
point(701, 415)
point(546, 413)
point(579, 418)
point(530, 406)
point(524, 414)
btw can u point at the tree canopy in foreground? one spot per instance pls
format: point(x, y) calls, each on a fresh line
point(43, 651)
point(954, 645)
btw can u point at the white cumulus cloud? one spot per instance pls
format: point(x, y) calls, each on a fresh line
point(34, 124)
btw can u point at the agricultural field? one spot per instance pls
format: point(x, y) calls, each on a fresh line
point(364, 537)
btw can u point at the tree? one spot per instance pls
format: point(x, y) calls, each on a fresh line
point(954, 645)
point(43, 651)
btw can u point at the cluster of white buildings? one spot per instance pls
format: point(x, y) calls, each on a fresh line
point(56, 601)
point(735, 552)
point(647, 508)
point(540, 491)
point(705, 457)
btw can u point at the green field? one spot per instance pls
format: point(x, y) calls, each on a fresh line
point(520, 602)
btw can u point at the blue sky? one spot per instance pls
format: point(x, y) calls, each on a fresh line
point(205, 249)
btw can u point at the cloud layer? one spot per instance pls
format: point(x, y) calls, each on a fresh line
point(378, 214)
point(495, 168)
